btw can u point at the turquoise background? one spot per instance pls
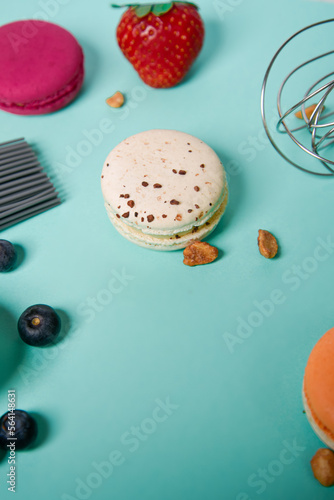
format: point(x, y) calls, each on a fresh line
point(162, 335)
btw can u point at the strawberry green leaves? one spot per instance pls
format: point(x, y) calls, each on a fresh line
point(142, 10)
point(157, 9)
point(162, 8)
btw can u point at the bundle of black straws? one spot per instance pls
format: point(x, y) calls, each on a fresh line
point(25, 190)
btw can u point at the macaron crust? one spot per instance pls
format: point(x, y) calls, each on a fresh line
point(164, 189)
point(318, 389)
point(41, 67)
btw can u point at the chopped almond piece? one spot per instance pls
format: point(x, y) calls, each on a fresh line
point(199, 253)
point(267, 244)
point(308, 112)
point(116, 100)
point(323, 466)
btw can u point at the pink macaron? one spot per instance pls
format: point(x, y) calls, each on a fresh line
point(41, 67)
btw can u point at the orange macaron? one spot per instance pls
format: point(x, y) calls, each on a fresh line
point(318, 389)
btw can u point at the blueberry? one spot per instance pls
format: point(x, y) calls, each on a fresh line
point(7, 256)
point(20, 425)
point(39, 325)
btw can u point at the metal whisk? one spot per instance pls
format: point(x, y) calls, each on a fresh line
point(317, 132)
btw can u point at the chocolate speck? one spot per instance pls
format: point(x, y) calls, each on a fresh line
point(107, 164)
point(196, 188)
point(174, 171)
point(150, 218)
point(145, 184)
point(174, 202)
point(177, 236)
point(121, 195)
point(202, 166)
point(126, 215)
point(210, 204)
point(164, 216)
point(142, 219)
point(118, 216)
point(196, 206)
point(157, 186)
point(189, 211)
point(102, 176)
point(207, 223)
point(131, 203)
point(136, 214)
point(190, 151)
point(178, 217)
point(119, 207)
point(126, 196)
point(182, 172)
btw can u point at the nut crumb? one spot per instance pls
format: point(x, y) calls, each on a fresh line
point(308, 111)
point(199, 253)
point(116, 100)
point(323, 466)
point(267, 244)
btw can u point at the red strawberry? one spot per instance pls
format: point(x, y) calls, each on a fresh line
point(161, 41)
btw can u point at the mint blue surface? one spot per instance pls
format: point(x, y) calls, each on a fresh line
point(170, 383)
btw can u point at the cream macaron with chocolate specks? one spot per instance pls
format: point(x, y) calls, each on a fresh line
point(164, 189)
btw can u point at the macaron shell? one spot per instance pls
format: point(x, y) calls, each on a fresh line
point(319, 383)
point(163, 182)
point(50, 104)
point(38, 61)
point(165, 243)
point(323, 434)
